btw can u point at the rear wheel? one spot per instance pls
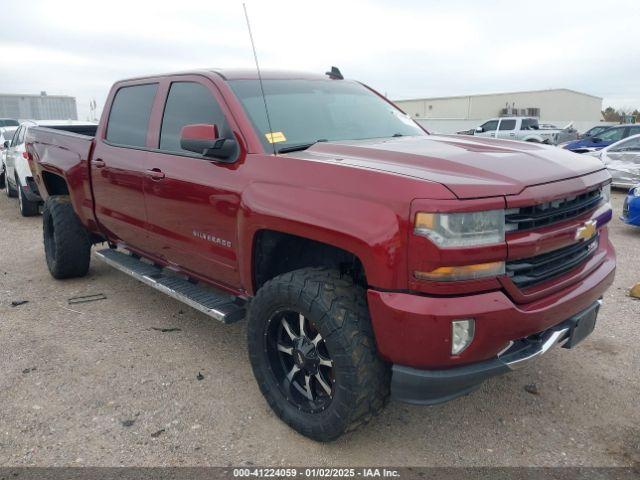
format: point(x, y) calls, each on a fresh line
point(313, 353)
point(27, 207)
point(67, 245)
point(9, 190)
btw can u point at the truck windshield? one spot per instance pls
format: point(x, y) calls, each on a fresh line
point(303, 112)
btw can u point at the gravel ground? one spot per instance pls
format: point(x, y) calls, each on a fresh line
point(97, 384)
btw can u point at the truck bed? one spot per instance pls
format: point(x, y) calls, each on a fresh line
point(63, 153)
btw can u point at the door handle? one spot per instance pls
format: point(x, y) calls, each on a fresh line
point(155, 174)
point(99, 163)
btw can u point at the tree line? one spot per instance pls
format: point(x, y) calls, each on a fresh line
point(611, 114)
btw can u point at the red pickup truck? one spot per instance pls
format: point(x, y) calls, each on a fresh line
point(370, 258)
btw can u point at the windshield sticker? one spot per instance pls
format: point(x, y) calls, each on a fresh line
point(275, 137)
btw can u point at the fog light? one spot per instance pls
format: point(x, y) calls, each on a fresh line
point(461, 334)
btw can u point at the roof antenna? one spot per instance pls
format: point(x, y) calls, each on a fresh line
point(334, 74)
point(264, 98)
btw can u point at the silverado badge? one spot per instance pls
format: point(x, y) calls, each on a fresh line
point(587, 231)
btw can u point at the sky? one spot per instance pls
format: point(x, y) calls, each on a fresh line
point(404, 49)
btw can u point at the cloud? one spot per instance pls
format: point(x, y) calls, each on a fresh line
point(402, 48)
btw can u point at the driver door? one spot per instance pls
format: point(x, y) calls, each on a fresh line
point(488, 129)
point(193, 201)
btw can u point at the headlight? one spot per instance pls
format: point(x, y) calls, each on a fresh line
point(467, 229)
point(606, 193)
point(636, 192)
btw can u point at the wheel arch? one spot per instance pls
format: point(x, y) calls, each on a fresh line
point(368, 232)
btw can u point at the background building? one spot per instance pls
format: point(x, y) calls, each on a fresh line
point(557, 106)
point(38, 107)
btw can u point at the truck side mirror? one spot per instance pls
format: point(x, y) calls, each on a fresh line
point(479, 130)
point(205, 140)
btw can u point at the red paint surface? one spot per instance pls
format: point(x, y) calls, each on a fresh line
point(361, 196)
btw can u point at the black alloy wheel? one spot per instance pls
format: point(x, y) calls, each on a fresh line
point(300, 361)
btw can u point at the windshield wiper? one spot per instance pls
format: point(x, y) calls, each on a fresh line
point(299, 147)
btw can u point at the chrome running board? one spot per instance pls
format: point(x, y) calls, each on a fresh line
point(214, 303)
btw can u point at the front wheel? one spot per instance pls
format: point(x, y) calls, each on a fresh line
point(313, 353)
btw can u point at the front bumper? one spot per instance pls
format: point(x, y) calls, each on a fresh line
point(623, 179)
point(415, 330)
point(428, 387)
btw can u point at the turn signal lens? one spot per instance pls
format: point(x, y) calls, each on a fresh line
point(462, 332)
point(464, 272)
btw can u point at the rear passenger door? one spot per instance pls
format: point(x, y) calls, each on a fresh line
point(118, 165)
point(193, 207)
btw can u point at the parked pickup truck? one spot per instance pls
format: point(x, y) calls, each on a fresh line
point(526, 129)
point(369, 258)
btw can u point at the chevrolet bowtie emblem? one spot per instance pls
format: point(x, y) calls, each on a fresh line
point(587, 231)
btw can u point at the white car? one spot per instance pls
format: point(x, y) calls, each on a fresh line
point(17, 173)
point(6, 134)
point(622, 159)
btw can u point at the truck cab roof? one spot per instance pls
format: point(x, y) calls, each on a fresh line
point(239, 74)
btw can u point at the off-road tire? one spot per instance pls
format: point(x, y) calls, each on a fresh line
point(67, 245)
point(27, 207)
point(338, 309)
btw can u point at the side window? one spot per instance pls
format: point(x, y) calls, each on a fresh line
point(188, 103)
point(489, 126)
point(129, 115)
point(507, 125)
point(612, 135)
point(14, 139)
point(23, 132)
point(633, 131)
point(631, 145)
point(529, 124)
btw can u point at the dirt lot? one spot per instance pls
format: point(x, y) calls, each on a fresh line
point(97, 384)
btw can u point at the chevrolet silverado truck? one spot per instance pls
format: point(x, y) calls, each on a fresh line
point(370, 259)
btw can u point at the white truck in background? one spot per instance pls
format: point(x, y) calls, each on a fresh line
point(526, 129)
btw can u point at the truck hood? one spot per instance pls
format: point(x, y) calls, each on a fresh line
point(472, 167)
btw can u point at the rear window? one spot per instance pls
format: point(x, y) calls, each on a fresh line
point(5, 122)
point(129, 115)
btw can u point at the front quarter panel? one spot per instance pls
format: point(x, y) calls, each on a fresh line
point(375, 233)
